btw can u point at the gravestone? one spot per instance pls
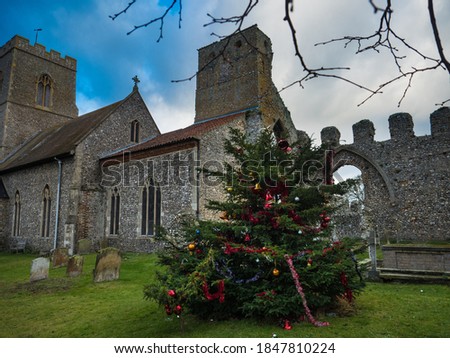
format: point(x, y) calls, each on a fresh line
point(39, 269)
point(84, 246)
point(60, 257)
point(75, 266)
point(107, 265)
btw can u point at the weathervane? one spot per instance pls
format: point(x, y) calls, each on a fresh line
point(136, 81)
point(37, 32)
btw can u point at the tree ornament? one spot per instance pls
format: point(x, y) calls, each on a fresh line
point(177, 310)
point(287, 325)
point(168, 310)
point(297, 198)
point(309, 263)
point(247, 237)
point(257, 186)
point(224, 216)
point(198, 231)
point(191, 246)
point(229, 189)
point(171, 293)
point(276, 272)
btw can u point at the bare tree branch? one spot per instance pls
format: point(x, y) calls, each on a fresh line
point(159, 19)
point(384, 38)
point(437, 38)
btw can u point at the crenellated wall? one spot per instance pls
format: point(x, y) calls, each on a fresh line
point(406, 178)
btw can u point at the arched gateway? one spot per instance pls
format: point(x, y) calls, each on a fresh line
point(407, 190)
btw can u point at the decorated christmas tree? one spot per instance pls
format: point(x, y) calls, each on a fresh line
point(269, 254)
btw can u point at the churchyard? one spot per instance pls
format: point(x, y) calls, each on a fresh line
point(63, 304)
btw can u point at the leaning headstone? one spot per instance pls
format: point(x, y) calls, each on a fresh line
point(84, 246)
point(39, 269)
point(60, 257)
point(75, 266)
point(107, 265)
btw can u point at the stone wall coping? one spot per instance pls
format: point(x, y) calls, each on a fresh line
point(417, 247)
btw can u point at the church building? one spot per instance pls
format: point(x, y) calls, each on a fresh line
point(109, 177)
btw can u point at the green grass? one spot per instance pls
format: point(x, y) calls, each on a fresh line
point(77, 307)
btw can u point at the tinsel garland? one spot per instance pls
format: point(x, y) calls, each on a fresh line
point(302, 294)
point(226, 272)
point(247, 249)
point(218, 295)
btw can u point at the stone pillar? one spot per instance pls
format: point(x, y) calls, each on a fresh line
point(401, 126)
point(440, 122)
point(363, 131)
point(330, 137)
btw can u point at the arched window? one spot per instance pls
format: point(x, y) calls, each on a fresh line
point(151, 209)
point(44, 91)
point(114, 212)
point(134, 132)
point(46, 210)
point(16, 218)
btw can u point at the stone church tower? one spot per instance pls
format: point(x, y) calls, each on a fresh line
point(37, 91)
point(235, 75)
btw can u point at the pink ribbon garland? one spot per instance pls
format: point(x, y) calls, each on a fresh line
point(302, 294)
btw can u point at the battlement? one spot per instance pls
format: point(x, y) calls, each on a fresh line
point(23, 44)
point(401, 128)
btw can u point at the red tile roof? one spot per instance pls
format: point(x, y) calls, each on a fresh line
point(194, 131)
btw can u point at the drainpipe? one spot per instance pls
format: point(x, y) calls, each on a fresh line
point(58, 194)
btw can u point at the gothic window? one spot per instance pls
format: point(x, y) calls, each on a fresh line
point(135, 132)
point(151, 208)
point(16, 218)
point(114, 212)
point(278, 130)
point(46, 209)
point(44, 91)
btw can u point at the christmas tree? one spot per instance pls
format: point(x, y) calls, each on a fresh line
point(269, 254)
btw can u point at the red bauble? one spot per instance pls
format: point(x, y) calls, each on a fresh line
point(171, 293)
point(177, 310)
point(287, 325)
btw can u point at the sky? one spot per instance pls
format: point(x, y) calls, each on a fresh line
point(108, 58)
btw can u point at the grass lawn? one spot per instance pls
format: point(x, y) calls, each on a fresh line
point(77, 307)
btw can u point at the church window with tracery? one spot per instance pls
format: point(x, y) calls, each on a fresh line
point(151, 208)
point(44, 91)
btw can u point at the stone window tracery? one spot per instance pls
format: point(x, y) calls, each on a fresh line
point(151, 208)
point(44, 91)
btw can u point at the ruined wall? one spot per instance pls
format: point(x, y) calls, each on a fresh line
point(406, 178)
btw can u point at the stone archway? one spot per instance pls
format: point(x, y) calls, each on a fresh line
point(378, 190)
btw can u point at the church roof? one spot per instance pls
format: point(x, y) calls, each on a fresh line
point(58, 141)
point(154, 145)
